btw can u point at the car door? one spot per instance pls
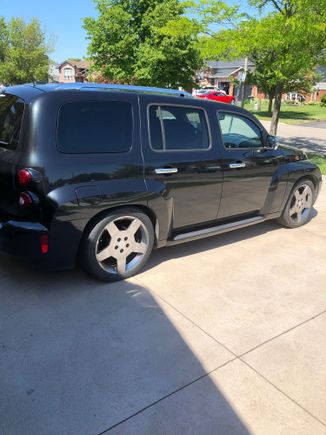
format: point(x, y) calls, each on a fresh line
point(248, 164)
point(222, 97)
point(182, 161)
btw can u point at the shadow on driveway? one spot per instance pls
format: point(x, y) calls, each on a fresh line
point(81, 357)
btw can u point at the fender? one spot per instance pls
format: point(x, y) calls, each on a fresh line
point(72, 207)
point(283, 181)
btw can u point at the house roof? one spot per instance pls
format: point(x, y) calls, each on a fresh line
point(233, 64)
point(321, 86)
point(225, 72)
point(81, 64)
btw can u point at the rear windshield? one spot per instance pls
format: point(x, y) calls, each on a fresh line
point(11, 114)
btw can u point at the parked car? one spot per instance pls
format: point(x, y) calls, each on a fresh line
point(217, 96)
point(204, 89)
point(102, 174)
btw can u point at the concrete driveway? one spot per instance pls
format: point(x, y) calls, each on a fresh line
point(220, 336)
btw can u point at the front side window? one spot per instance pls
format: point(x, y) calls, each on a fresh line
point(175, 128)
point(239, 131)
point(11, 115)
point(95, 127)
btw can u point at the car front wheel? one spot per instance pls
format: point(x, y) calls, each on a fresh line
point(118, 245)
point(298, 209)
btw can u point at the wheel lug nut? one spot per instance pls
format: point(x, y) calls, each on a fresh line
point(127, 245)
point(116, 247)
point(121, 250)
point(126, 238)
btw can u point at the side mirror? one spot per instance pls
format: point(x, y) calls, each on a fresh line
point(273, 141)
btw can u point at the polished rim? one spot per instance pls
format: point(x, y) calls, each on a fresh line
point(301, 203)
point(122, 245)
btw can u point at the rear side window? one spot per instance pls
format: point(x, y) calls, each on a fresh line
point(95, 127)
point(176, 128)
point(11, 115)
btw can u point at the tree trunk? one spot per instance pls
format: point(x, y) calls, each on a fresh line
point(270, 103)
point(276, 111)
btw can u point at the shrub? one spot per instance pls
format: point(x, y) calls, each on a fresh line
point(323, 101)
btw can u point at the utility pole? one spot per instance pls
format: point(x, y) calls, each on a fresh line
point(243, 81)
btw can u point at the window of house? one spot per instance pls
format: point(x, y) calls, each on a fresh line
point(68, 73)
point(239, 131)
point(11, 115)
point(175, 128)
point(95, 127)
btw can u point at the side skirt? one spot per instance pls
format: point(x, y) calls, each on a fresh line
point(213, 231)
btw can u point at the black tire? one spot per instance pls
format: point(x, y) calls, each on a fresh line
point(298, 209)
point(114, 234)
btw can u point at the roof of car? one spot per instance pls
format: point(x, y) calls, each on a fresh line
point(53, 87)
point(31, 91)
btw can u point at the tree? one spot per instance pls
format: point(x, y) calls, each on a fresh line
point(286, 44)
point(144, 42)
point(23, 52)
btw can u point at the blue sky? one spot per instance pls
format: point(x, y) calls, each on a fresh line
point(60, 18)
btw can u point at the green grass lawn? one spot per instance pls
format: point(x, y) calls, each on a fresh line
point(320, 161)
point(291, 114)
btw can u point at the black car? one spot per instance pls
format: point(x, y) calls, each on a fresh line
point(104, 173)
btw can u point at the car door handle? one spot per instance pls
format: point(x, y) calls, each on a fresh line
point(237, 165)
point(165, 171)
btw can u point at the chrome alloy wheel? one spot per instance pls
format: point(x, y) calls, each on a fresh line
point(122, 245)
point(301, 203)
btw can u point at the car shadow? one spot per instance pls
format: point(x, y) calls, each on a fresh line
point(79, 356)
point(190, 248)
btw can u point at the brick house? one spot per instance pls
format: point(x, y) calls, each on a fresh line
point(223, 75)
point(318, 92)
point(73, 71)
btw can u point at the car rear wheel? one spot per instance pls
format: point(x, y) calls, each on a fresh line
point(298, 209)
point(118, 246)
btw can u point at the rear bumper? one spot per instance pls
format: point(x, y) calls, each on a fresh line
point(23, 239)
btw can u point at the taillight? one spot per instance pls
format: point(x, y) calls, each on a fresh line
point(44, 243)
point(24, 177)
point(25, 199)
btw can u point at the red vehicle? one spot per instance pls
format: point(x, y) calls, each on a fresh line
point(217, 96)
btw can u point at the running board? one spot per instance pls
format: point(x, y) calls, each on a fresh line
point(213, 231)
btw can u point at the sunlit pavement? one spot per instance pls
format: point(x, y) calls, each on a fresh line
point(220, 336)
point(310, 136)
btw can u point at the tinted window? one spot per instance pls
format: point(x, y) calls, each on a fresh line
point(95, 127)
point(178, 128)
point(11, 114)
point(239, 131)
